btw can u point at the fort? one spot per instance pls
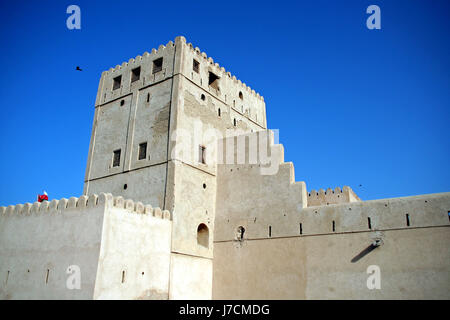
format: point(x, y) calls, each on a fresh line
point(223, 218)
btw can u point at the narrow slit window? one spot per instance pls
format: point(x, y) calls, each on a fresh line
point(135, 74)
point(157, 65)
point(117, 82)
point(116, 158)
point(142, 150)
point(218, 112)
point(148, 97)
point(334, 226)
point(369, 223)
point(234, 122)
point(46, 276)
point(201, 154)
point(301, 229)
point(407, 220)
point(123, 276)
point(270, 231)
point(196, 66)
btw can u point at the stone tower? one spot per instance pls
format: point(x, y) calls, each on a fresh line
point(173, 96)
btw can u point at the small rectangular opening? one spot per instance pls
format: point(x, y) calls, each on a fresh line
point(196, 66)
point(7, 277)
point(201, 154)
point(334, 226)
point(142, 151)
point(123, 276)
point(407, 220)
point(213, 80)
point(148, 97)
point(369, 223)
point(117, 82)
point(301, 229)
point(116, 158)
point(270, 231)
point(157, 65)
point(135, 74)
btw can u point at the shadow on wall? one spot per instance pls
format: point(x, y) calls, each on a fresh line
point(365, 252)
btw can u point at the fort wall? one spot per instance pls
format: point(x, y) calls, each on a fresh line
point(40, 241)
point(135, 253)
point(40, 244)
point(330, 196)
point(290, 251)
point(413, 265)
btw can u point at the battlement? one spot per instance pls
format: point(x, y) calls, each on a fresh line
point(105, 199)
point(220, 71)
point(330, 196)
point(182, 58)
point(138, 72)
point(138, 59)
point(164, 49)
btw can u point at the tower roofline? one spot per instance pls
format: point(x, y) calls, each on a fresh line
point(199, 53)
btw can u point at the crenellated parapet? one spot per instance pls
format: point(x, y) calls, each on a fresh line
point(83, 202)
point(221, 72)
point(326, 197)
point(140, 208)
point(228, 88)
point(136, 73)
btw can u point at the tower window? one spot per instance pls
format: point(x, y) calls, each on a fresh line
point(213, 80)
point(122, 102)
point(240, 233)
point(142, 151)
point(148, 97)
point(234, 122)
point(116, 158)
point(157, 65)
point(218, 112)
point(135, 74)
point(116, 82)
point(196, 66)
point(201, 154)
point(203, 235)
point(241, 96)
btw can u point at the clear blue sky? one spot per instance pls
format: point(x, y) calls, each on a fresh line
point(354, 106)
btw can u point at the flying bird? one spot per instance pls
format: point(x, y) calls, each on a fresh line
point(78, 69)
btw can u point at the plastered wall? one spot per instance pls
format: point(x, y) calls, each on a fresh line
point(321, 252)
point(38, 242)
point(122, 249)
point(134, 260)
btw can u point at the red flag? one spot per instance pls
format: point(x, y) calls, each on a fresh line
point(42, 197)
